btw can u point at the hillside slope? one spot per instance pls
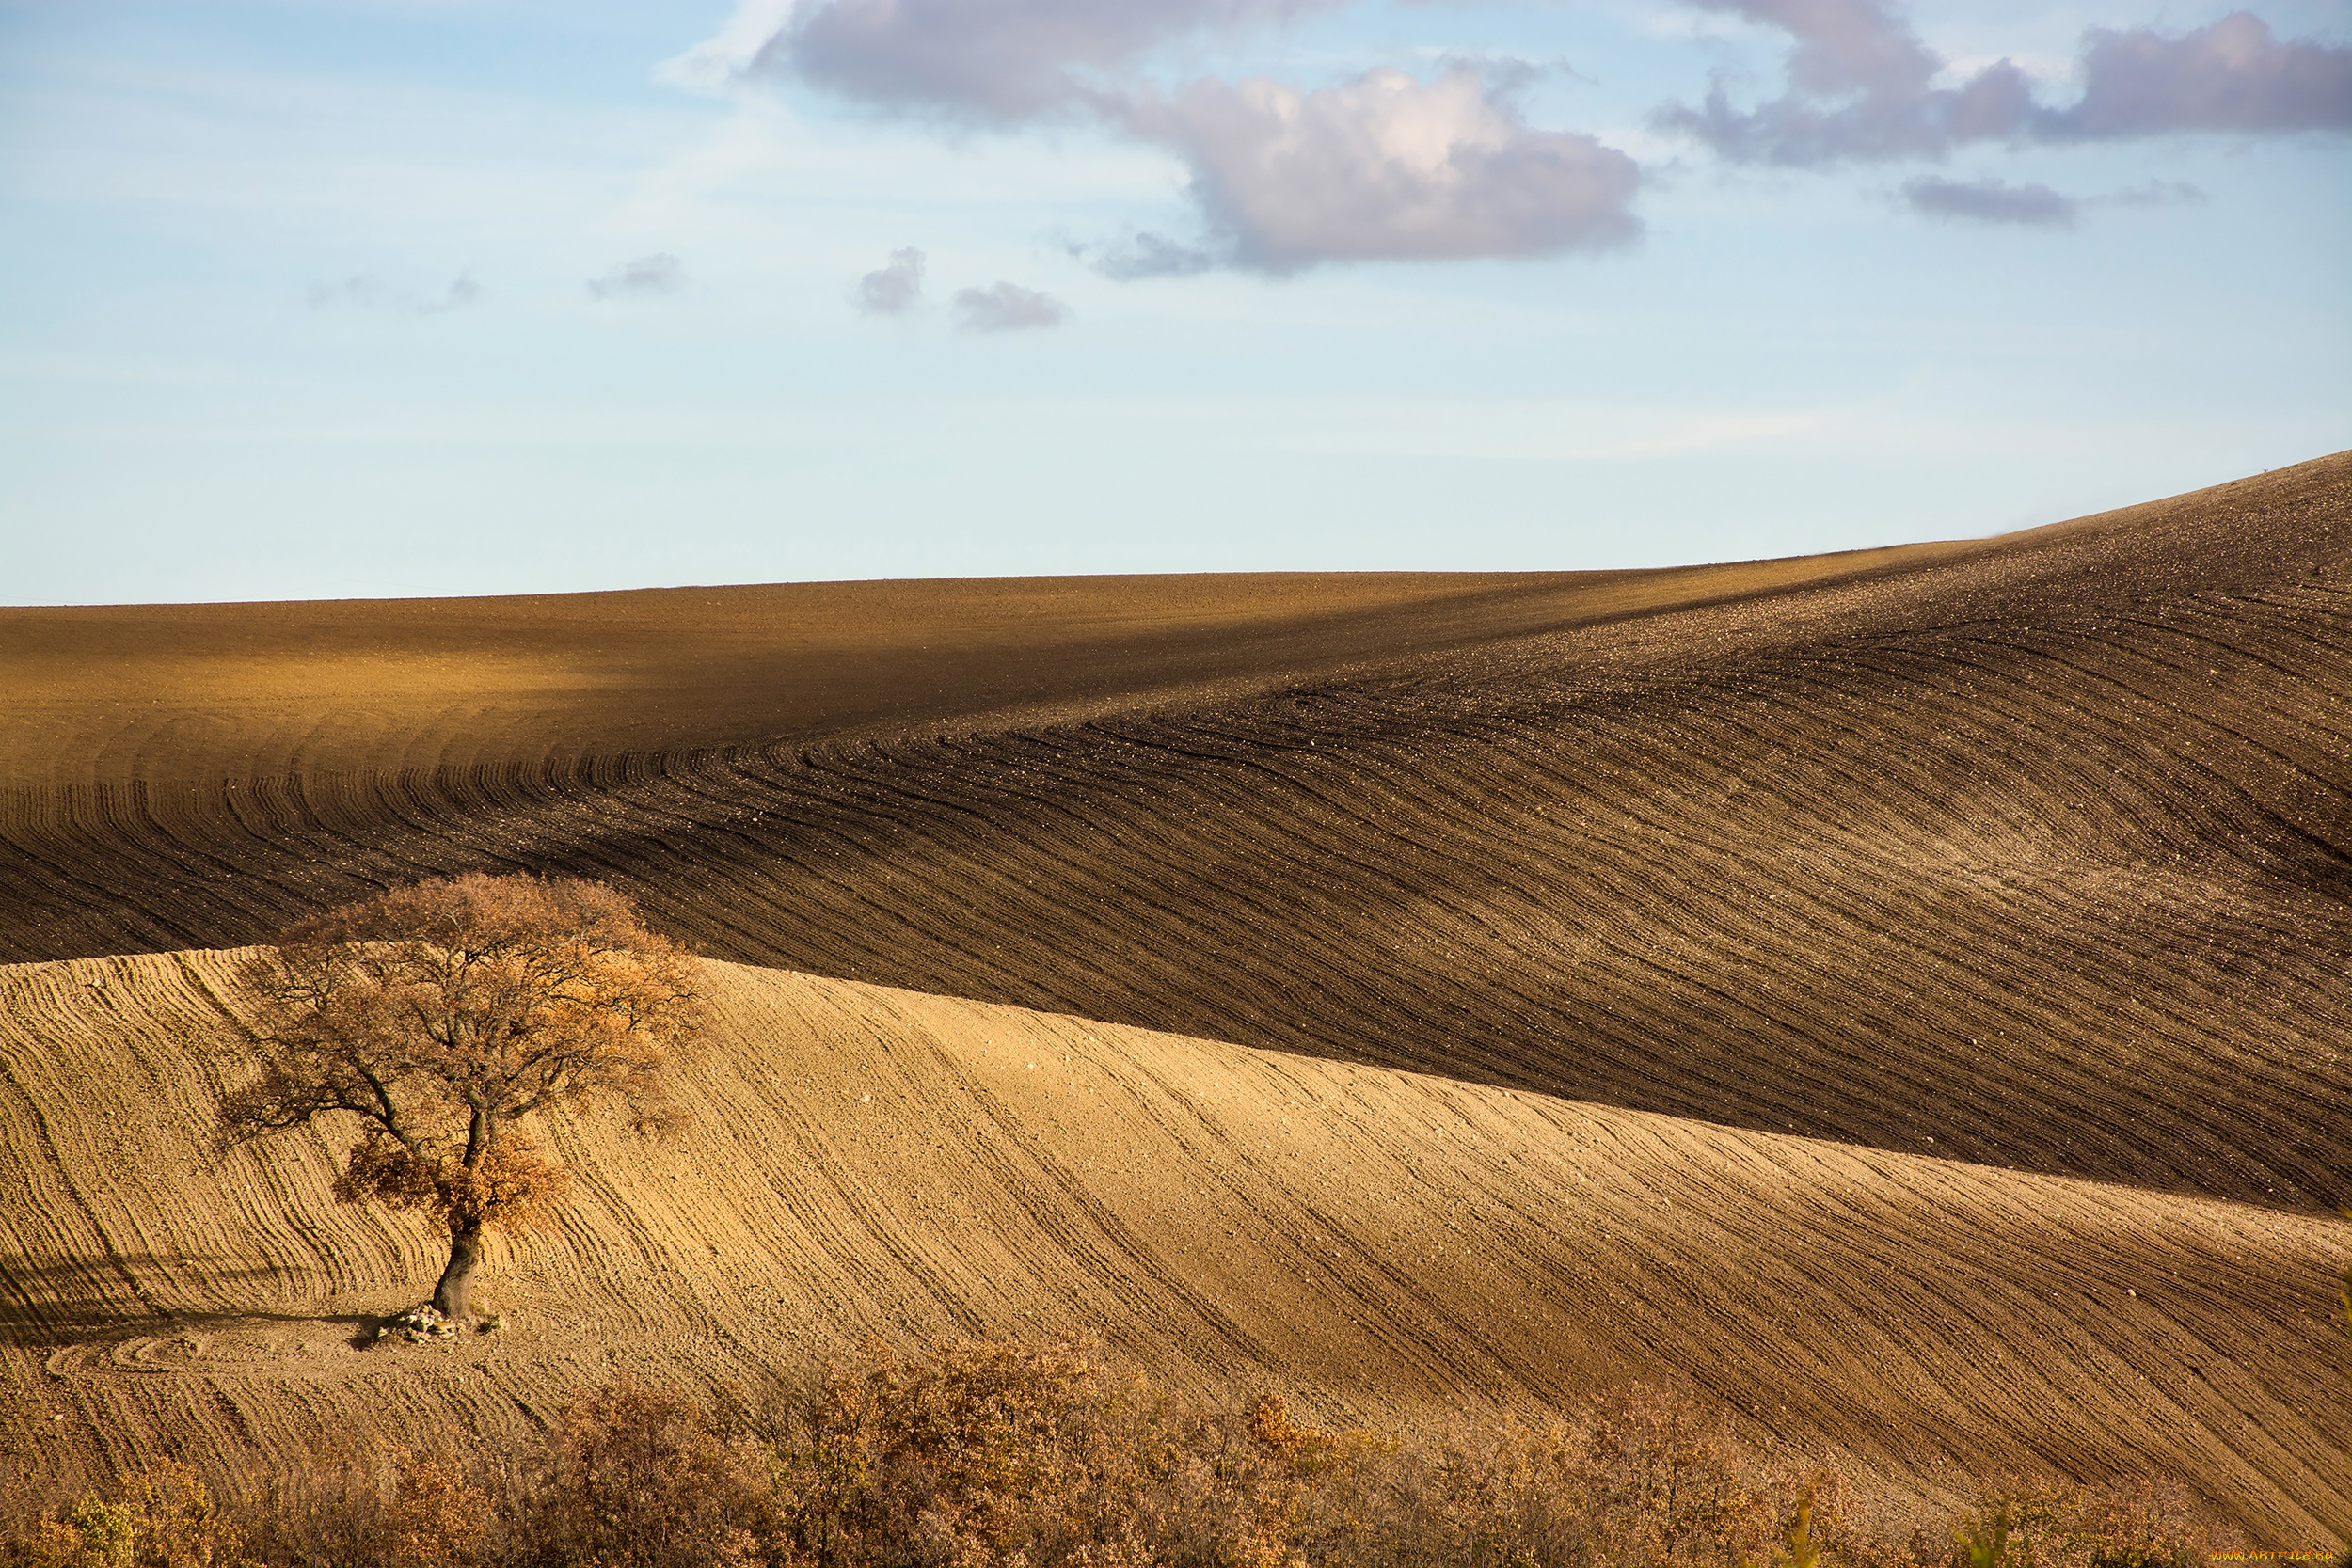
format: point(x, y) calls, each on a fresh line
point(867, 1161)
point(162, 694)
point(2035, 852)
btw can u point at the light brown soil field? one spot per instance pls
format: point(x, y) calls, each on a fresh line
point(169, 693)
point(2034, 852)
point(873, 1161)
point(1909, 994)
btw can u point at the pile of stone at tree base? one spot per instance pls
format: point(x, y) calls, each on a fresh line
point(425, 1325)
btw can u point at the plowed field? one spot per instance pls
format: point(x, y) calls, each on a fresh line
point(871, 1162)
point(2035, 852)
point(1908, 994)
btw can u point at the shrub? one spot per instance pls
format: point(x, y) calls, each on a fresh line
point(167, 1519)
point(385, 1507)
point(638, 1478)
point(973, 1454)
point(1037, 1456)
point(1644, 1477)
point(2041, 1524)
point(996, 1454)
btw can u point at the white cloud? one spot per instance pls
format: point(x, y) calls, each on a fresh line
point(2230, 77)
point(1007, 308)
point(979, 59)
point(1861, 85)
point(1388, 167)
point(1992, 201)
point(723, 59)
point(894, 288)
point(369, 293)
point(1383, 166)
point(647, 277)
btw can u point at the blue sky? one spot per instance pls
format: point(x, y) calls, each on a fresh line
point(366, 298)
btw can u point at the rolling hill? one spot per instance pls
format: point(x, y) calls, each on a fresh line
point(1387, 1246)
point(2035, 852)
point(1908, 994)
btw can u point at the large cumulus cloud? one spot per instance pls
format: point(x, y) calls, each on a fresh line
point(1384, 166)
point(987, 59)
point(2234, 75)
point(1388, 166)
point(1862, 86)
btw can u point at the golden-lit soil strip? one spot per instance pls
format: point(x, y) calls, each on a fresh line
point(868, 1162)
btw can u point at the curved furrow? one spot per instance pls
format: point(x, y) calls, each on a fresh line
point(2077, 800)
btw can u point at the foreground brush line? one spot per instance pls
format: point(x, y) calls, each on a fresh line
point(1037, 1456)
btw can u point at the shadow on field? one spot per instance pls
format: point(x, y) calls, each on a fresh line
point(60, 1305)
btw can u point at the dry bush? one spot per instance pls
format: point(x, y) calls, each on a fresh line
point(1289, 1493)
point(1037, 1456)
point(1665, 1480)
point(2045, 1524)
point(1642, 1477)
point(437, 1517)
point(995, 1455)
point(166, 1519)
point(973, 1454)
point(383, 1507)
point(640, 1477)
point(1000, 1455)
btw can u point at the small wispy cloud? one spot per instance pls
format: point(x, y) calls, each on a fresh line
point(1007, 308)
point(647, 277)
point(2156, 193)
point(722, 61)
point(1992, 201)
point(1996, 201)
point(894, 288)
point(1143, 255)
point(366, 292)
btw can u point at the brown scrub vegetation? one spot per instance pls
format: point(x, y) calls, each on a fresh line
point(1036, 1456)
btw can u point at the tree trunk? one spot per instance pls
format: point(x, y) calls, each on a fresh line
point(465, 1255)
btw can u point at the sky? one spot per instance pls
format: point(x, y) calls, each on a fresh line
point(334, 298)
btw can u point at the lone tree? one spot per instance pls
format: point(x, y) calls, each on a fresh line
point(440, 1014)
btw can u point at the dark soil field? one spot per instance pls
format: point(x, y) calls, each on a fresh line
point(1906, 995)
